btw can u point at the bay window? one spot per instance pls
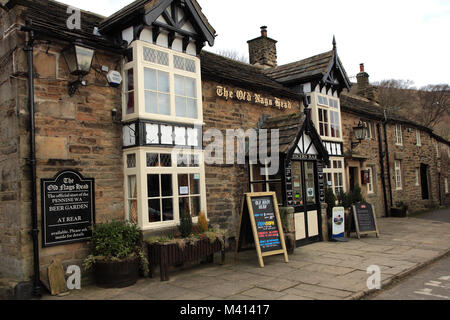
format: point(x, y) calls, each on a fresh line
point(163, 185)
point(161, 84)
point(329, 117)
point(163, 158)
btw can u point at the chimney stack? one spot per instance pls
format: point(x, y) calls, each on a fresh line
point(363, 86)
point(362, 80)
point(263, 50)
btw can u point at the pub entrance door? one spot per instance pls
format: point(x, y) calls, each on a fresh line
point(306, 202)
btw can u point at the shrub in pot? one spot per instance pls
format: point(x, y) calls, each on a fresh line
point(116, 254)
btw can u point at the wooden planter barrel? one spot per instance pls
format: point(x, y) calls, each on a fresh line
point(116, 274)
point(166, 255)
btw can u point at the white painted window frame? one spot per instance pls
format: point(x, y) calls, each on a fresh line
point(141, 170)
point(398, 135)
point(138, 64)
point(398, 175)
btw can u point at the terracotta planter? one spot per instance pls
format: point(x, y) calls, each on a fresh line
point(116, 274)
point(166, 255)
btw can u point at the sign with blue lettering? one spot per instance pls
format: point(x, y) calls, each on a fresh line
point(67, 208)
point(260, 216)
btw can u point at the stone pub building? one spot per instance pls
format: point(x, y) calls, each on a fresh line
point(121, 113)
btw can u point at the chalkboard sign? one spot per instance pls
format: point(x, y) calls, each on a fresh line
point(261, 217)
point(364, 217)
point(68, 211)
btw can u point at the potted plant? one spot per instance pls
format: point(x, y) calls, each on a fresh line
point(116, 254)
point(400, 210)
point(190, 244)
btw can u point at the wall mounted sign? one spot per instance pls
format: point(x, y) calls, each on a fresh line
point(338, 223)
point(68, 208)
point(260, 216)
point(365, 220)
point(242, 95)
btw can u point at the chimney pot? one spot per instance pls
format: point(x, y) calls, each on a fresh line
point(264, 31)
point(361, 67)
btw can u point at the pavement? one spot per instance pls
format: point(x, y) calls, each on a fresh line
point(320, 271)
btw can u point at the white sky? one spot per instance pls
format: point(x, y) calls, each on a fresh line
point(399, 39)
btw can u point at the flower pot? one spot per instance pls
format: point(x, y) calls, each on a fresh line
point(116, 274)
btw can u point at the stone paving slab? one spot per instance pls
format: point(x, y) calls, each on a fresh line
point(321, 271)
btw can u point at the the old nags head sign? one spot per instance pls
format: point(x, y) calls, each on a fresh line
point(261, 218)
point(68, 211)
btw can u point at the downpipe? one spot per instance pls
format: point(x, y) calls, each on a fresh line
point(32, 160)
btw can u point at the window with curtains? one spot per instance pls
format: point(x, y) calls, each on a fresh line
point(162, 185)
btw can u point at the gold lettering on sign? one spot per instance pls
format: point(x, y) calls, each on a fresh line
point(256, 98)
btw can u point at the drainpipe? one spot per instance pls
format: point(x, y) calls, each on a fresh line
point(32, 160)
point(383, 178)
point(387, 159)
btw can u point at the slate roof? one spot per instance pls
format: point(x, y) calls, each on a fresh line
point(49, 18)
point(362, 106)
point(289, 126)
point(222, 69)
point(305, 69)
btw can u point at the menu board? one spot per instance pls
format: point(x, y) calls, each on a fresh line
point(260, 216)
point(266, 224)
point(365, 221)
point(67, 208)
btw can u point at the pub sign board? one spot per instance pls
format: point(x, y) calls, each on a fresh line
point(260, 216)
point(68, 208)
point(365, 220)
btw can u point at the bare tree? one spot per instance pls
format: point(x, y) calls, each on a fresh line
point(233, 54)
point(434, 104)
point(396, 95)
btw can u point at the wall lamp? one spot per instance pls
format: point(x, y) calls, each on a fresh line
point(79, 61)
point(360, 133)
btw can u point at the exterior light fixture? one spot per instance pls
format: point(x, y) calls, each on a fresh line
point(360, 133)
point(79, 60)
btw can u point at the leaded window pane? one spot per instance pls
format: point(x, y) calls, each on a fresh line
point(131, 160)
point(165, 160)
point(152, 159)
point(190, 65)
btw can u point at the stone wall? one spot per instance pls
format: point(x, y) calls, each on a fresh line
point(15, 222)
point(226, 184)
point(78, 133)
point(71, 133)
point(411, 156)
point(364, 155)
